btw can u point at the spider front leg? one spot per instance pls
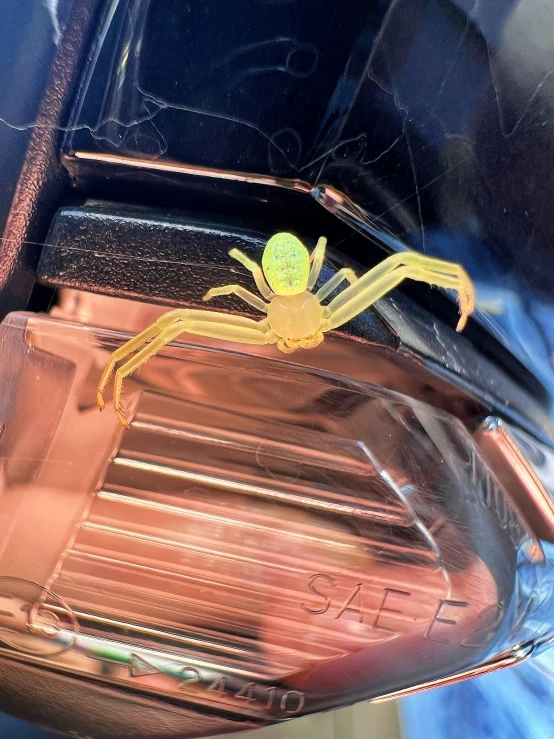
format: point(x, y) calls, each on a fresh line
point(317, 258)
point(166, 329)
point(331, 285)
point(241, 292)
point(257, 272)
point(389, 274)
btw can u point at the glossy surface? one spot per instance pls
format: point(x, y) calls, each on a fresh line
point(513, 704)
point(432, 118)
point(298, 544)
point(525, 468)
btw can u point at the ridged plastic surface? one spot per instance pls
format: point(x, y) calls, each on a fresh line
point(266, 541)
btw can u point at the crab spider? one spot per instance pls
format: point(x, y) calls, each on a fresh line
point(294, 316)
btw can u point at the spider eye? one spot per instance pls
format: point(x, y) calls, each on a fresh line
point(286, 264)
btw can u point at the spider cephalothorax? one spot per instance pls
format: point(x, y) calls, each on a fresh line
point(295, 317)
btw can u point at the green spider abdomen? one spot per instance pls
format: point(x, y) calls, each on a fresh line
point(295, 316)
point(286, 264)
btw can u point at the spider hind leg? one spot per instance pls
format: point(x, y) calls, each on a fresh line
point(202, 323)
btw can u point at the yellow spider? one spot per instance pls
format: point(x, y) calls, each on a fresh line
point(295, 318)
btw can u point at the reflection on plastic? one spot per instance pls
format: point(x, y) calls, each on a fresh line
point(266, 540)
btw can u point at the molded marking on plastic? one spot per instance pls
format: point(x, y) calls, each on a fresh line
point(480, 637)
point(30, 625)
point(440, 618)
point(394, 603)
point(353, 603)
point(484, 491)
point(139, 667)
point(290, 702)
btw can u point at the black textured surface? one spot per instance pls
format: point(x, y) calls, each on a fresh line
point(160, 258)
point(173, 260)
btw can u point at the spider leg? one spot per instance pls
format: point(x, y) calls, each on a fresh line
point(130, 346)
point(241, 292)
point(311, 341)
point(317, 258)
point(256, 270)
point(386, 276)
point(215, 325)
point(132, 364)
point(331, 285)
point(287, 348)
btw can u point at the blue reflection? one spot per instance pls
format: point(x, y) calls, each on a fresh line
point(517, 703)
point(13, 728)
point(514, 703)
